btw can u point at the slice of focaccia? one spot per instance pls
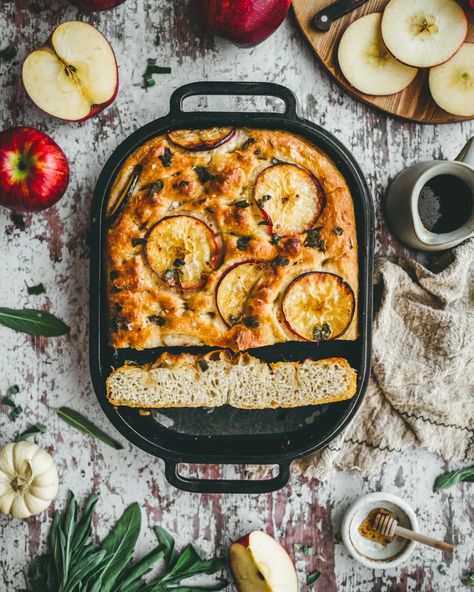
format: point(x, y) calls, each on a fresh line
point(240, 380)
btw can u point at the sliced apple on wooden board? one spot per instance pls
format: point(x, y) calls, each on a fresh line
point(318, 306)
point(74, 76)
point(236, 287)
point(289, 197)
point(260, 564)
point(366, 62)
point(182, 251)
point(452, 83)
point(201, 139)
point(423, 33)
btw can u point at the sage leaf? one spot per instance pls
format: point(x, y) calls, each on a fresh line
point(167, 540)
point(35, 290)
point(31, 431)
point(140, 568)
point(119, 545)
point(469, 580)
point(33, 322)
point(83, 424)
point(219, 586)
point(453, 478)
point(313, 577)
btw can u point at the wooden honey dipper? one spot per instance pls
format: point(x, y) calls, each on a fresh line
point(387, 525)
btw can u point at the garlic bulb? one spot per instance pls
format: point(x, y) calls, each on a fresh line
point(28, 479)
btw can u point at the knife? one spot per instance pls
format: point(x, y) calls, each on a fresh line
point(323, 20)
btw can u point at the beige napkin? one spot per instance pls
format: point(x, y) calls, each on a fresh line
point(421, 391)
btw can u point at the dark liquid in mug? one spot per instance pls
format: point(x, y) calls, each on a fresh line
point(445, 204)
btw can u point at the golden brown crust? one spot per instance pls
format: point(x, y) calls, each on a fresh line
point(146, 312)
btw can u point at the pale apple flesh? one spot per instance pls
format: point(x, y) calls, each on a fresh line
point(75, 75)
point(260, 564)
point(452, 83)
point(423, 33)
point(366, 62)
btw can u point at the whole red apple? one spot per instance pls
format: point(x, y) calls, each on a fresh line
point(244, 22)
point(34, 172)
point(96, 5)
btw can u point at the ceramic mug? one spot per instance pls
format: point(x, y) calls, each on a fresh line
point(401, 205)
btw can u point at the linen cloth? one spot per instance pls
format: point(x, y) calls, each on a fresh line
point(421, 390)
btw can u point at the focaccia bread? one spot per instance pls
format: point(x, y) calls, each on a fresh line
point(235, 238)
point(240, 380)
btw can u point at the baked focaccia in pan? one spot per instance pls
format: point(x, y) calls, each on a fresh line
point(235, 238)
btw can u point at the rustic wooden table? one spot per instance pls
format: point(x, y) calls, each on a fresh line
point(53, 248)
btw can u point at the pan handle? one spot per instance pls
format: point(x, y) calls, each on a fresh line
point(227, 485)
point(232, 88)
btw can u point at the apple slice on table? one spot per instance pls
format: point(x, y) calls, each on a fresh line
point(366, 62)
point(201, 139)
point(423, 33)
point(318, 306)
point(289, 197)
point(34, 171)
point(260, 564)
point(236, 286)
point(182, 251)
point(74, 76)
point(452, 83)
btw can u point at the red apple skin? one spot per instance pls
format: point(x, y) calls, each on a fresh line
point(244, 22)
point(96, 5)
point(34, 171)
point(245, 540)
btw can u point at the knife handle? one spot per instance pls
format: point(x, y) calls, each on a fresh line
point(323, 20)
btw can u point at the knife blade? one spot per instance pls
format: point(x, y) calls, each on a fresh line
point(323, 20)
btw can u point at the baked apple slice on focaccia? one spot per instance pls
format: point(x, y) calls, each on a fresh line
point(236, 286)
point(289, 197)
point(182, 251)
point(201, 139)
point(318, 306)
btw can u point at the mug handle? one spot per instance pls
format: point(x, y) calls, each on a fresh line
point(467, 153)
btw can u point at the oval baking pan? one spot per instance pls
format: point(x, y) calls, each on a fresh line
point(224, 435)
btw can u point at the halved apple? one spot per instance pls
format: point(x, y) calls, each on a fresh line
point(423, 33)
point(236, 287)
point(318, 306)
point(452, 83)
point(182, 251)
point(366, 62)
point(201, 139)
point(289, 196)
point(74, 76)
point(260, 564)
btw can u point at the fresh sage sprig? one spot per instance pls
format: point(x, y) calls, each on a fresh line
point(33, 322)
point(468, 580)
point(453, 478)
point(75, 563)
point(78, 421)
point(31, 431)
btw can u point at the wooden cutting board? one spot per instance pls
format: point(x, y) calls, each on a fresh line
point(413, 103)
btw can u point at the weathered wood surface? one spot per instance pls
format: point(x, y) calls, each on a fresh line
point(53, 248)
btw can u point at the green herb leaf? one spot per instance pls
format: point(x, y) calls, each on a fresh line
point(251, 322)
point(453, 478)
point(140, 568)
point(276, 238)
point(31, 431)
point(241, 204)
point(6, 400)
point(167, 540)
point(153, 188)
point(280, 261)
point(166, 158)
point(13, 389)
point(157, 320)
point(8, 53)
point(263, 199)
point(151, 69)
point(313, 577)
point(119, 545)
point(15, 412)
point(338, 230)
point(243, 242)
point(307, 549)
point(83, 424)
point(469, 580)
point(35, 290)
point(33, 322)
point(441, 569)
point(203, 174)
point(248, 143)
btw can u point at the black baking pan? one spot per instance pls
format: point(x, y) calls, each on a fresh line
point(226, 435)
